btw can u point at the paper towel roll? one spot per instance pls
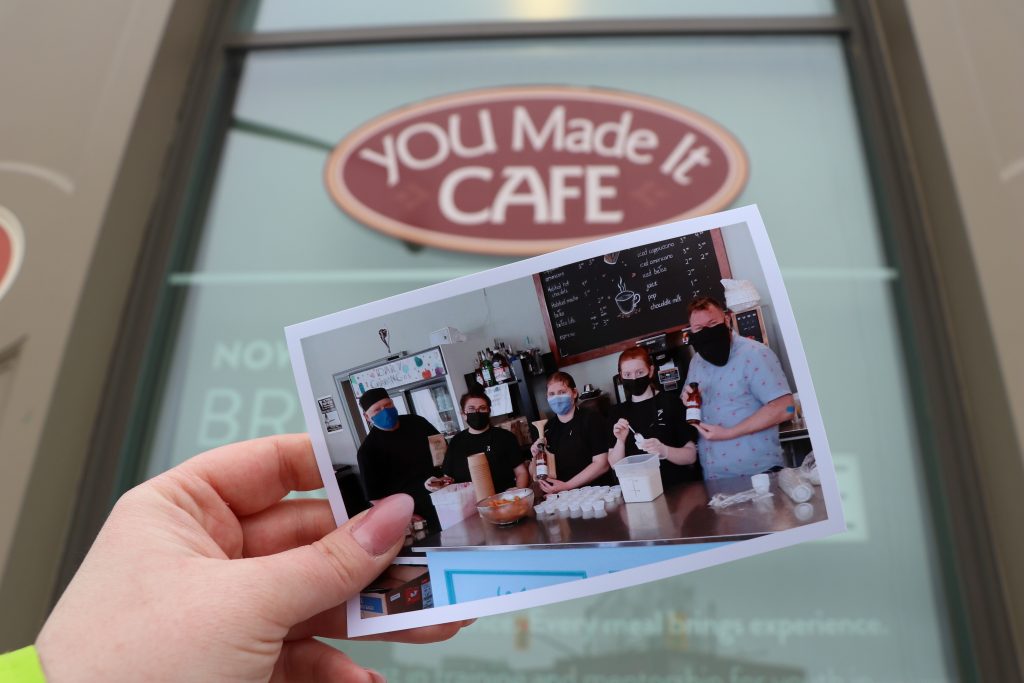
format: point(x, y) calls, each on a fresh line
point(480, 475)
point(438, 447)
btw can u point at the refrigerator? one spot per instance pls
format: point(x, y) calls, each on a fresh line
point(427, 383)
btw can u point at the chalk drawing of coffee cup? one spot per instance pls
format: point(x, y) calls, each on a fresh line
point(627, 301)
point(611, 258)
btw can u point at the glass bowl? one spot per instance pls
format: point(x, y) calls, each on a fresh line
point(507, 507)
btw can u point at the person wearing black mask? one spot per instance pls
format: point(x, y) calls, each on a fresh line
point(650, 421)
point(395, 456)
point(504, 456)
point(745, 396)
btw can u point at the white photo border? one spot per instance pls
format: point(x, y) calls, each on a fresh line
point(749, 215)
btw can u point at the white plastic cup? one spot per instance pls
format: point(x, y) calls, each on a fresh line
point(563, 509)
point(803, 511)
point(588, 510)
point(760, 483)
point(574, 510)
point(794, 486)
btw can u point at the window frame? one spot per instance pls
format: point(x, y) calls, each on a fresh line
point(979, 623)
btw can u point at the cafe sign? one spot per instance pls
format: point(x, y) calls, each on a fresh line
point(12, 249)
point(526, 170)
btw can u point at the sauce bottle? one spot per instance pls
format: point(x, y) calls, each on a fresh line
point(541, 461)
point(693, 404)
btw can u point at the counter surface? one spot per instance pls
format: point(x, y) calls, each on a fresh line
point(681, 515)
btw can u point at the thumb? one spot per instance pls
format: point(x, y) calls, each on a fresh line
point(309, 579)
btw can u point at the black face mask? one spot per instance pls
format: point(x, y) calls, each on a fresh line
point(712, 343)
point(478, 421)
point(637, 385)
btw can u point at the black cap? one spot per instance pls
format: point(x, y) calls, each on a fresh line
point(371, 397)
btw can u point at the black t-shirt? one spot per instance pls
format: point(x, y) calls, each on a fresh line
point(576, 442)
point(661, 417)
point(503, 456)
point(399, 462)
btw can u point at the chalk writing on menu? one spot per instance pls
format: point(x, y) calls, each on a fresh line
point(407, 370)
point(630, 294)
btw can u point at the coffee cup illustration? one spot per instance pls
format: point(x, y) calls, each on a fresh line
point(611, 258)
point(627, 301)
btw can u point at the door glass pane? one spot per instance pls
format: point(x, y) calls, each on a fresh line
point(423, 403)
point(287, 15)
point(275, 250)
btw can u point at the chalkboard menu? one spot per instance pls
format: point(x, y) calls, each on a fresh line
point(599, 305)
point(750, 324)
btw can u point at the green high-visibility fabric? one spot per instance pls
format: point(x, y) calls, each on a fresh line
point(21, 666)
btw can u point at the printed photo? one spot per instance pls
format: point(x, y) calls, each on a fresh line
point(613, 413)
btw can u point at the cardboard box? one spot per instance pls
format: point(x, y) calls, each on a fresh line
point(520, 427)
point(401, 588)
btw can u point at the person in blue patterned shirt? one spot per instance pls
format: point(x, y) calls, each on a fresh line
point(745, 395)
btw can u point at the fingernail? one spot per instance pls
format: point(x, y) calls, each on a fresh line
point(384, 524)
point(468, 622)
point(376, 676)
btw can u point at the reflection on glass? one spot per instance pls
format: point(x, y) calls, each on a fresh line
point(865, 606)
point(286, 15)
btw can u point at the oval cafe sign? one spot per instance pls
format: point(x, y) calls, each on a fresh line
point(12, 249)
point(526, 170)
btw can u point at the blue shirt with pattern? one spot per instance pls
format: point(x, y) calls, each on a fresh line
point(731, 393)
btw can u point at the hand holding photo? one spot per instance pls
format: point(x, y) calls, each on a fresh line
point(685, 450)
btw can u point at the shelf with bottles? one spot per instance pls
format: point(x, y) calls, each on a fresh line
point(500, 364)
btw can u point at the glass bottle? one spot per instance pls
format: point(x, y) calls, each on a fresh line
point(488, 366)
point(541, 461)
point(693, 404)
point(502, 369)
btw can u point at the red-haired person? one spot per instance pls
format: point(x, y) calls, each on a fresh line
point(577, 438)
point(655, 416)
point(744, 393)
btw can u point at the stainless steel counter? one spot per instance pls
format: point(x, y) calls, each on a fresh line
point(681, 515)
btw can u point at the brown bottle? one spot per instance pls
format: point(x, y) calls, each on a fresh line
point(693, 404)
point(541, 461)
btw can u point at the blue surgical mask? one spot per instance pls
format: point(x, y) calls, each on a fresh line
point(561, 403)
point(386, 419)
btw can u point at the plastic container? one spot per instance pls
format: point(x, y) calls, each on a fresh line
point(454, 503)
point(563, 509)
point(639, 478)
point(574, 510)
point(760, 483)
point(588, 510)
point(794, 486)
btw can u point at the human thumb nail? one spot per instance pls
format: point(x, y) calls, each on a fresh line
point(384, 524)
